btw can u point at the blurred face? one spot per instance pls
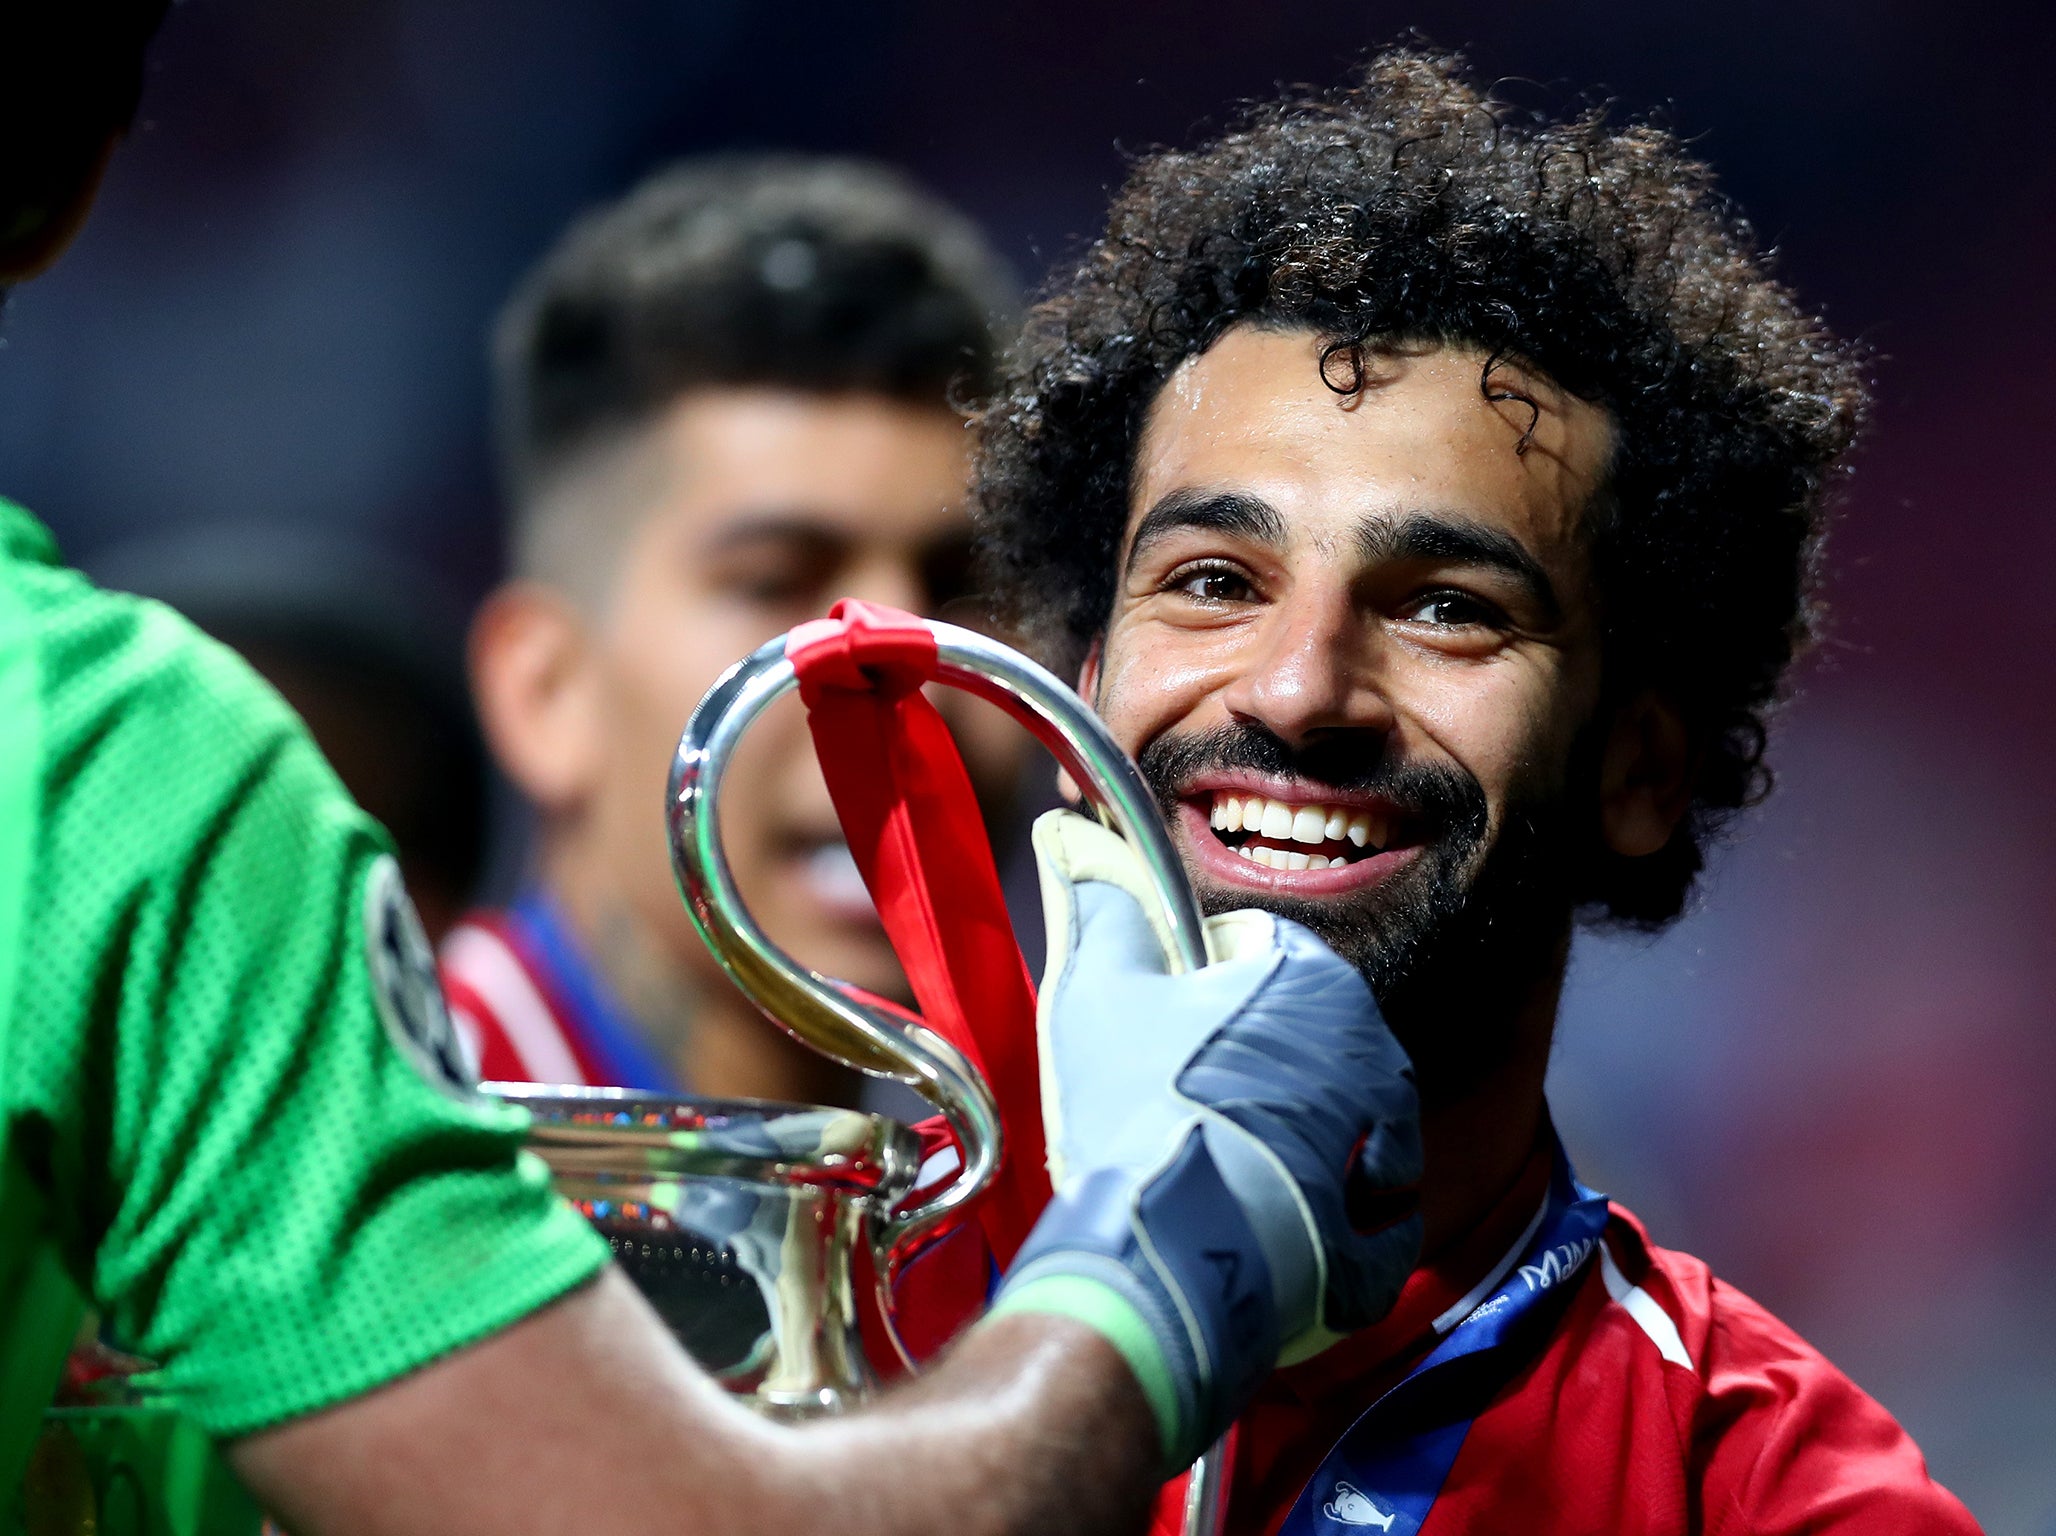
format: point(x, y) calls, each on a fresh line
point(1354, 647)
point(767, 506)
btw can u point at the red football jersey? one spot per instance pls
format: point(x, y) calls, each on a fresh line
point(1606, 1385)
point(502, 1007)
point(532, 1008)
point(1667, 1402)
point(1553, 1374)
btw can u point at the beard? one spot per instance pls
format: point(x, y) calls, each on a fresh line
point(1456, 944)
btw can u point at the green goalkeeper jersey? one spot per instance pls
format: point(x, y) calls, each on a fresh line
point(233, 1113)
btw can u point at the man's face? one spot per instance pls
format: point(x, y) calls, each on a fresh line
point(767, 507)
point(1353, 645)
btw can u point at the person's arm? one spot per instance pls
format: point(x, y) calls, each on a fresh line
point(1203, 1128)
point(275, 1182)
point(587, 1417)
point(270, 1176)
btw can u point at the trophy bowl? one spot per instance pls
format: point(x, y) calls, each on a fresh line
point(739, 1220)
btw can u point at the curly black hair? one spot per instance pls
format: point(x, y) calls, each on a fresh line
point(1409, 208)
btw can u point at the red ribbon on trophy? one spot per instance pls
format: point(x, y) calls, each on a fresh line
point(914, 829)
point(913, 826)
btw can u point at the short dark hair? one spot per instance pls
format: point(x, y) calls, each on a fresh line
point(1411, 207)
point(71, 76)
point(821, 275)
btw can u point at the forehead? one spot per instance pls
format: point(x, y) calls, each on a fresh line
point(852, 464)
point(1253, 414)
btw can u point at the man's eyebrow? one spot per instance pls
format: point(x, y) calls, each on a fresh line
point(792, 526)
point(1235, 512)
point(1447, 539)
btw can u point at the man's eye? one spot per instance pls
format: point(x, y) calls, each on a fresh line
point(1213, 584)
point(772, 588)
point(773, 579)
point(1450, 610)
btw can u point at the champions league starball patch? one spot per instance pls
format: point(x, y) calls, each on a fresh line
point(404, 981)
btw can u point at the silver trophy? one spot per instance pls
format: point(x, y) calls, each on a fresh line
point(755, 1228)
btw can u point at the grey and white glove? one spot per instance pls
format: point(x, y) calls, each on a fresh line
point(1212, 1139)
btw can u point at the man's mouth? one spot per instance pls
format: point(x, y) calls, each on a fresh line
point(829, 874)
point(1273, 838)
point(1280, 834)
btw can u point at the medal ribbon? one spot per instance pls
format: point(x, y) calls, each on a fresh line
point(1385, 1474)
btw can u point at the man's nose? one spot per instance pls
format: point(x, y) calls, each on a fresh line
point(894, 582)
point(1314, 669)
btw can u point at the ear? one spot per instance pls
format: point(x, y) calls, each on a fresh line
point(39, 235)
point(535, 678)
point(1088, 690)
point(1088, 672)
point(1645, 776)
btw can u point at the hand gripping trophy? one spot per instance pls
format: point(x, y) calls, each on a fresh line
point(768, 1235)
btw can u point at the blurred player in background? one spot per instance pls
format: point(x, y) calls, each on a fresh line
point(724, 402)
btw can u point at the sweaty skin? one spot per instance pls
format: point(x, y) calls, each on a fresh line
point(597, 1422)
point(1320, 623)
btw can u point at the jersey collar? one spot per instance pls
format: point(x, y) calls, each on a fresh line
point(1436, 1297)
point(606, 1030)
point(1389, 1466)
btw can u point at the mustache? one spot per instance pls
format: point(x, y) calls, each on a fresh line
point(1435, 797)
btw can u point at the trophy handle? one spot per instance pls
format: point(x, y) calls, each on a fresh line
point(836, 1019)
point(843, 1023)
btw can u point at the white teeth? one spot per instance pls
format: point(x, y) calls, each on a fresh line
point(1369, 828)
point(1278, 821)
point(837, 882)
point(1286, 858)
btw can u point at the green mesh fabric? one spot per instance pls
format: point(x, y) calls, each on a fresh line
point(238, 1163)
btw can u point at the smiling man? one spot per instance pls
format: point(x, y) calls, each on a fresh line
point(1426, 494)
